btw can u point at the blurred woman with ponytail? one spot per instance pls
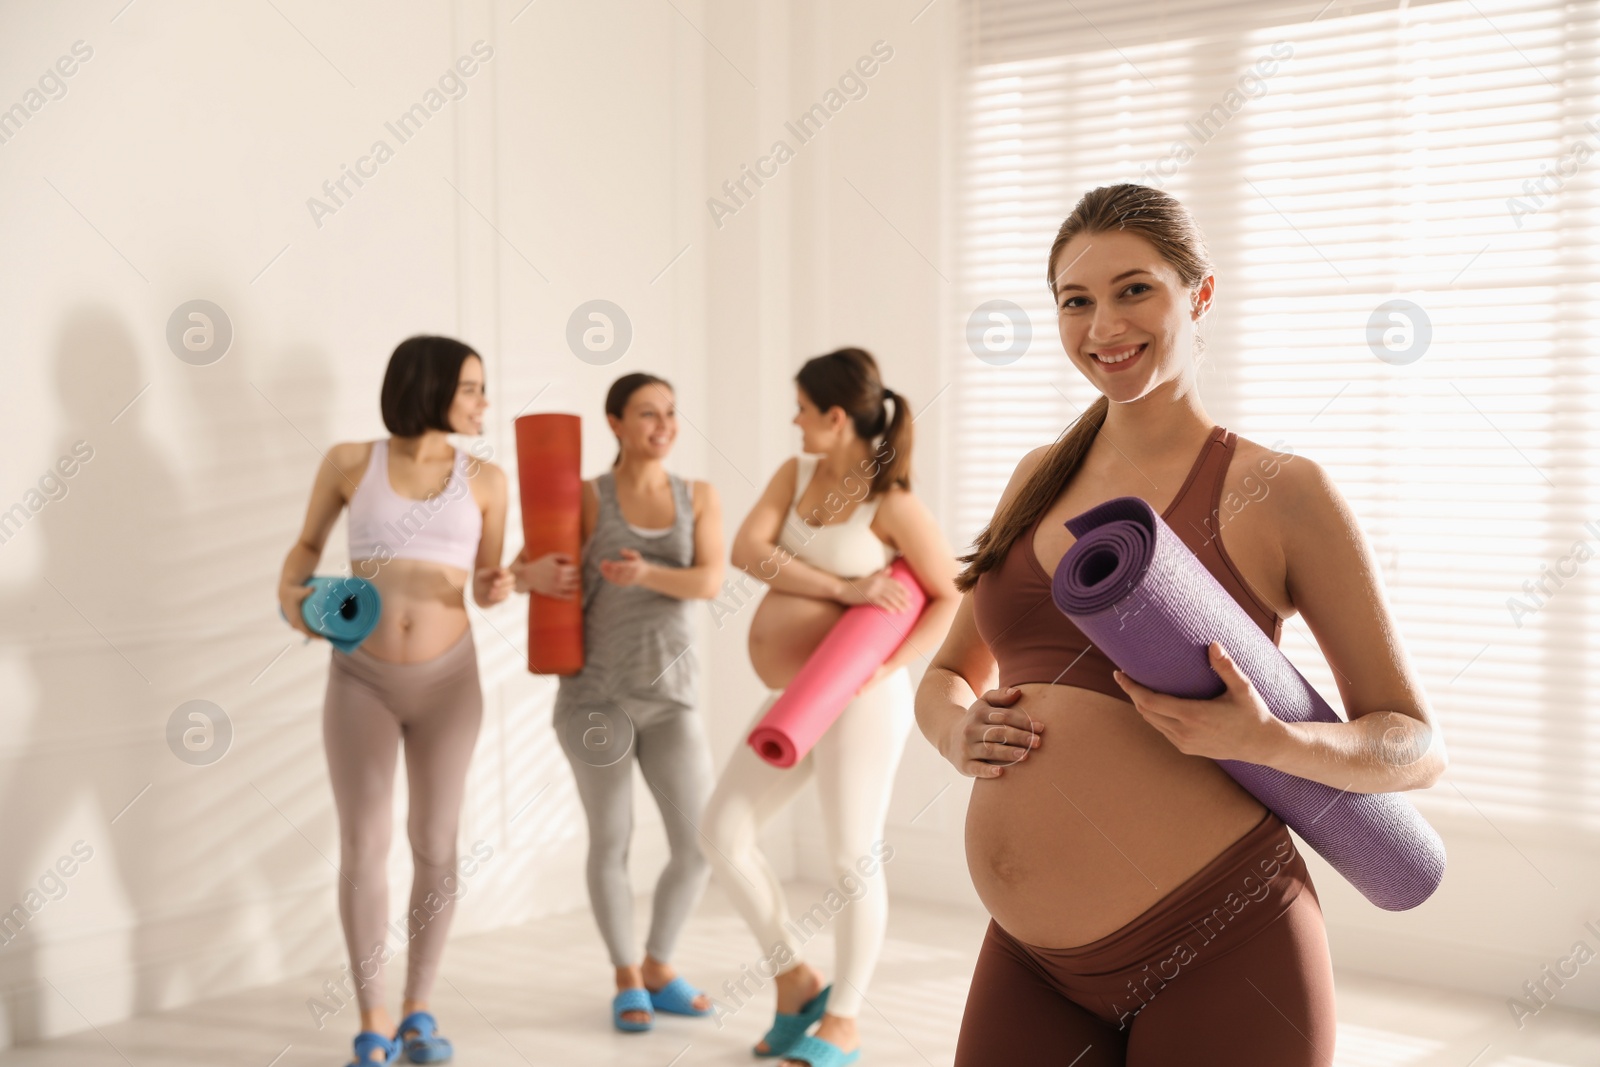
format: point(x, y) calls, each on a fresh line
point(822, 537)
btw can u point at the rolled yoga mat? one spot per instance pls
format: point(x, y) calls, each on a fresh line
point(549, 449)
point(344, 610)
point(859, 643)
point(1137, 591)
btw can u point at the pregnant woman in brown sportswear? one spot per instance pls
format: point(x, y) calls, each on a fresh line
point(1146, 909)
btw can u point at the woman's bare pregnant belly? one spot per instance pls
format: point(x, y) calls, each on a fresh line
point(784, 633)
point(1101, 821)
point(423, 612)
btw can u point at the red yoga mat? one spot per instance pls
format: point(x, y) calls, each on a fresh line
point(549, 450)
point(860, 642)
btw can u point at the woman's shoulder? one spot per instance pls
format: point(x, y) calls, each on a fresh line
point(1293, 490)
point(1020, 474)
point(486, 481)
point(352, 449)
point(592, 490)
point(699, 489)
point(788, 472)
point(1263, 468)
point(1030, 461)
point(350, 457)
point(897, 503)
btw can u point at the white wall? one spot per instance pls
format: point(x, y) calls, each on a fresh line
point(178, 165)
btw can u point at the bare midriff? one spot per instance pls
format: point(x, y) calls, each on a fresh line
point(1100, 821)
point(424, 609)
point(785, 631)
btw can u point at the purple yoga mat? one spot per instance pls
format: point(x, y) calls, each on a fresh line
point(1138, 592)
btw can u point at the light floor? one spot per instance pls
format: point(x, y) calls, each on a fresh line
point(539, 994)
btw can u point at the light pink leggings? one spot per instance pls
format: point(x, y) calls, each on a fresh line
point(372, 704)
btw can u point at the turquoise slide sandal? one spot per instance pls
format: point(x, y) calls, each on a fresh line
point(820, 1053)
point(677, 998)
point(369, 1041)
point(787, 1029)
point(632, 1000)
point(425, 1045)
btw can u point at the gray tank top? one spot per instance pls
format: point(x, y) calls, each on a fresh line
point(637, 643)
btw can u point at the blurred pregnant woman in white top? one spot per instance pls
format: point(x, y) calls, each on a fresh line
point(822, 536)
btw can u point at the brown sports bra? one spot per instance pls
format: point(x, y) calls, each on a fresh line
point(1033, 642)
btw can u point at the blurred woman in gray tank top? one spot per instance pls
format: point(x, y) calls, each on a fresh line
point(652, 541)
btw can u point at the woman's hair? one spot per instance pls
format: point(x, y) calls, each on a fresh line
point(1167, 225)
point(622, 391)
point(420, 384)
point(848, 379)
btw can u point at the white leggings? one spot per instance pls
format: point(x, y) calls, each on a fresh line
point(854, 765)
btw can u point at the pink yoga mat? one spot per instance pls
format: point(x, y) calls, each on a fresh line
point(860, 642)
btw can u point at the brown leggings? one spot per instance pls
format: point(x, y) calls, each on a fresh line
point(372, 705)
point(1231, 967)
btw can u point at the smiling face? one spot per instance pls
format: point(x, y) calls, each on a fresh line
point(1126, 319)
point(466, 410)
point(820, 430)
point(649, 422)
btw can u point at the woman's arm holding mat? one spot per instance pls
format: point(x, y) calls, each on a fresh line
point(491, 583)
point(756, 550)
point(337, 477)
point(1391, 742)
point(555, 574)
point(912, 530)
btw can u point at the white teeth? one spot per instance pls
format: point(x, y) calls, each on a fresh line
point(1103, 358)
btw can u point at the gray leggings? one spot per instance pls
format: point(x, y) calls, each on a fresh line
point(601, 742)
point(435, 706)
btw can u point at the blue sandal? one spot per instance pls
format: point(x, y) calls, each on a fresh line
point(677, 998)
point(632, 1000)
point(424, 1045)
point(788, 1029)
point(369, 1041)
point(820, 1053)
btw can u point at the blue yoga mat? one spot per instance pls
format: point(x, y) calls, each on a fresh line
point(1137, 591)
point(344, 610)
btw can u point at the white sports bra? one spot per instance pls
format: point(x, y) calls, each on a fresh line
point(849, 549)
point(384, 525)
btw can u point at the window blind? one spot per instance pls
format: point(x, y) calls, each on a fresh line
point(1436, 154)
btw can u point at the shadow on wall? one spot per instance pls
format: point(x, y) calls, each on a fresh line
point(253, 900)
point(275, 682)
point(90, 628)
point(157, 561)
